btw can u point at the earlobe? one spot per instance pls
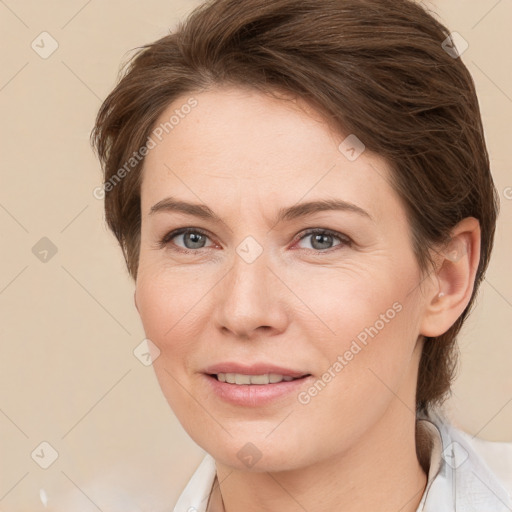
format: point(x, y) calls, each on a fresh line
point(455, 277)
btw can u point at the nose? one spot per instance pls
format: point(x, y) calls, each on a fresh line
point(250, 300)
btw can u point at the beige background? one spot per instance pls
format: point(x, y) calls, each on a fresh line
point(69, 327)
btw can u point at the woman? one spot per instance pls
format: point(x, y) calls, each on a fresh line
point(302, 193)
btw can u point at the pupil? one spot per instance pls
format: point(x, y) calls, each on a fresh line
point(319, 238)
point(196, 239)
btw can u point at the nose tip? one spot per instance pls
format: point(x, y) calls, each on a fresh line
point(250, 300)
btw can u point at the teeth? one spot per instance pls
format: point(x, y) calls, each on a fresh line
point(238, 378)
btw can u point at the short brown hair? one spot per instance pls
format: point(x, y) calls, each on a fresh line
point(374, 68)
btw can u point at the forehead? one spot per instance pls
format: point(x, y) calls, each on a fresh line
point(227, 121)
point(256, 145)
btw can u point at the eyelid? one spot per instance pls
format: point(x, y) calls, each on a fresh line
point(166, 239)
point(344, 239)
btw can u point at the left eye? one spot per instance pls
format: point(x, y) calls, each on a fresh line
point(322, 239)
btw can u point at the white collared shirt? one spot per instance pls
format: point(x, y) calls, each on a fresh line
point(459, 478)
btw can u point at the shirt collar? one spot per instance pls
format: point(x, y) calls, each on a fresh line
point(458, 478)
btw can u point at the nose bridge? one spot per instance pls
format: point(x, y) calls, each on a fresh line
point(248, 297)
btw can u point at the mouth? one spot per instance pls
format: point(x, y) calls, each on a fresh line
point(257, 389)
point(241, 379)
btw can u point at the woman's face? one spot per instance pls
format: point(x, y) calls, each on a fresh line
point(251, 285)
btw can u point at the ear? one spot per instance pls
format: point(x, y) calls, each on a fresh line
point(453, 279)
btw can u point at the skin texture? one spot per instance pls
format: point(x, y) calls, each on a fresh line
point(246, 155)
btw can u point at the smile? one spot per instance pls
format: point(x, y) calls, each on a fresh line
point(255, 390)
point(240, 378)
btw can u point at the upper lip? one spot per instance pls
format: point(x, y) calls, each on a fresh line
point(253, 369)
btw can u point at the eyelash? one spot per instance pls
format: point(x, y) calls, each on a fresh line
point(345, 241)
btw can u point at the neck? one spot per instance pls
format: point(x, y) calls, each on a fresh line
point(381, 472)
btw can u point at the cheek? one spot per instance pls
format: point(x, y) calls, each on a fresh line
point(364, 367)
point(170, 306)
point(363, 328)
point(168, 292)
point(345, 304)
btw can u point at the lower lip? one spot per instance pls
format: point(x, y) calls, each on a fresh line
point(254, 395)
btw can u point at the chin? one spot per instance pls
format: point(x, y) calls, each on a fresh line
point(258, 456)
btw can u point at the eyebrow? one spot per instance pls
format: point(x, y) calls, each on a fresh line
point(170, 204)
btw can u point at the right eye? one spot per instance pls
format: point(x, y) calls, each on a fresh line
point(192, 239)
